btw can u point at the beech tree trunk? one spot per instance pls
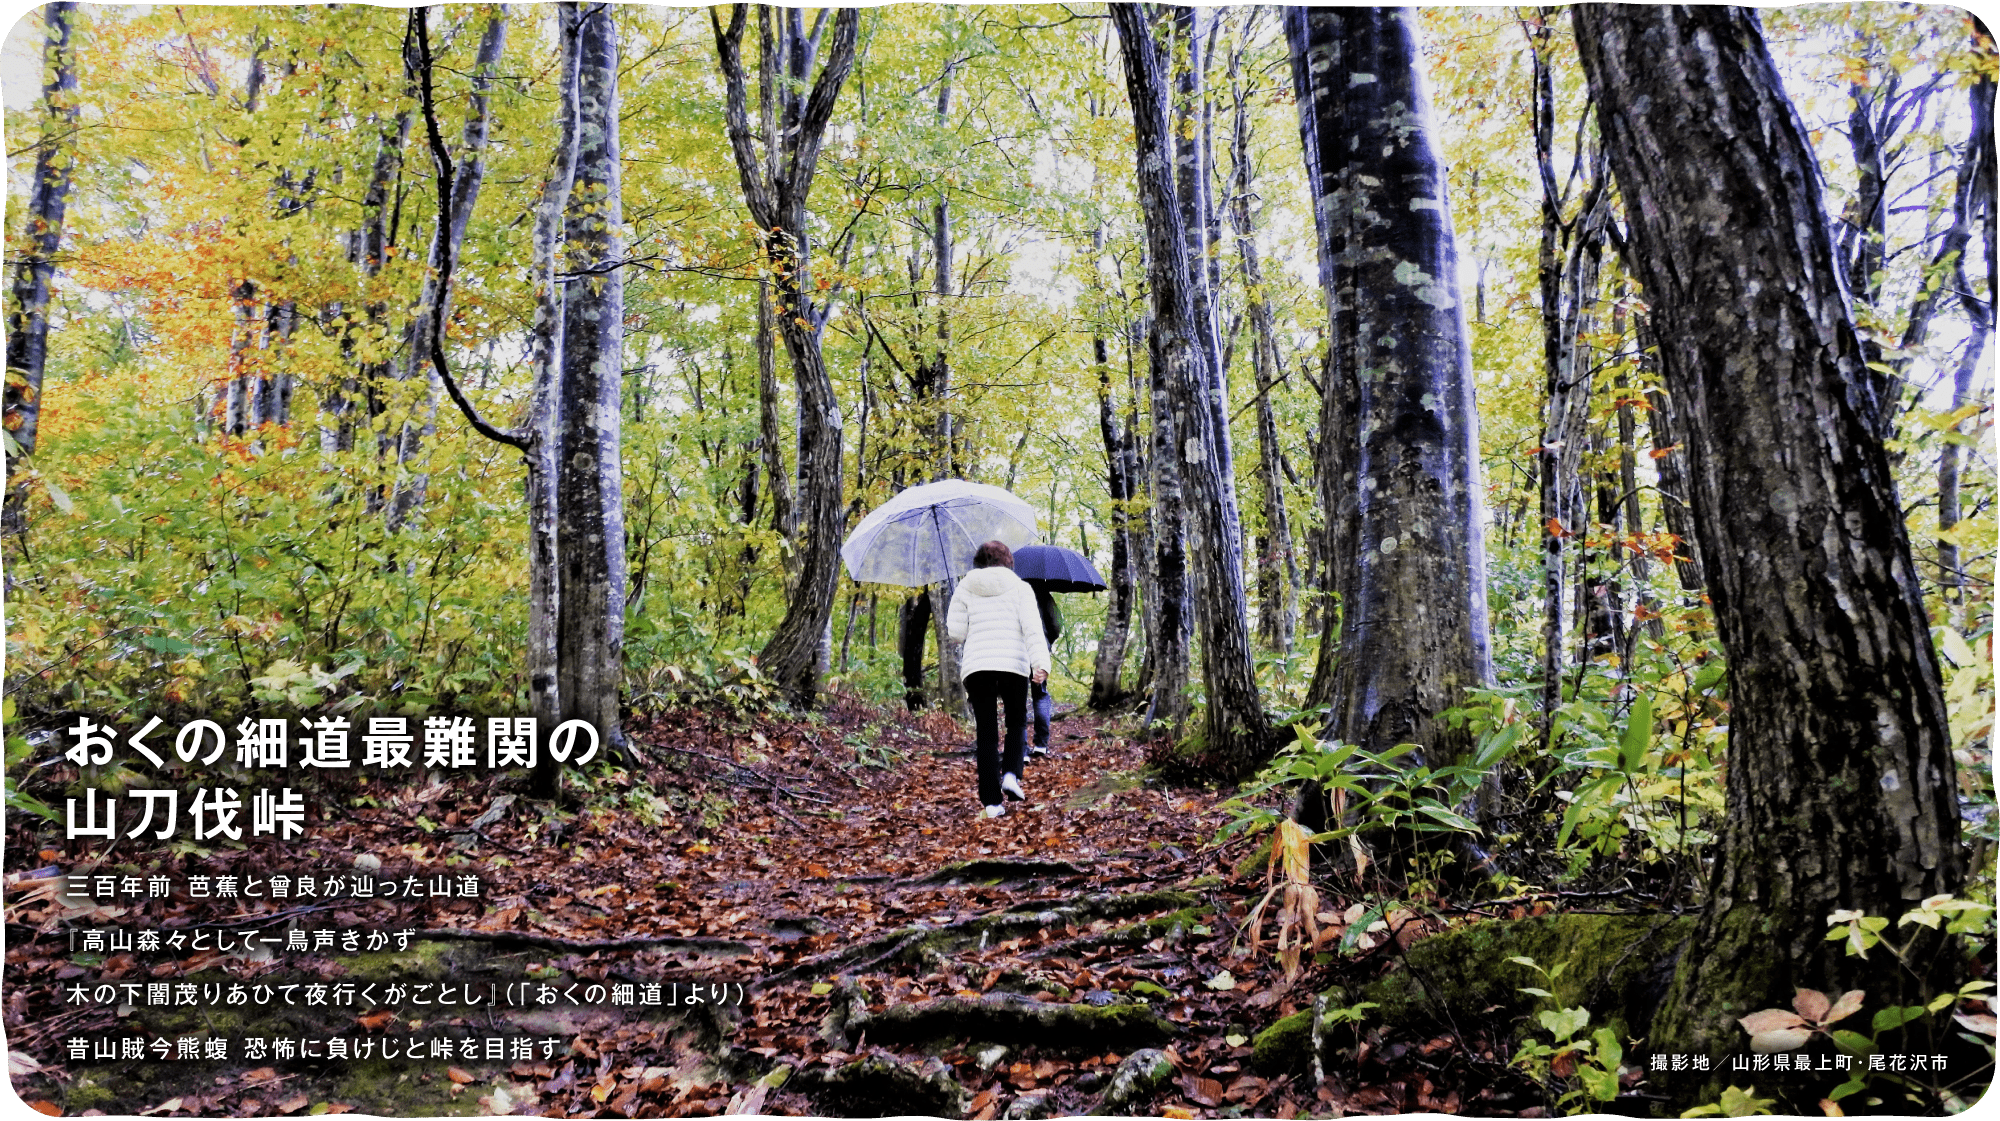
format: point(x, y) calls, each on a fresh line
point(35, 264)
point(365, 337)
point(1186, 362)
point(1972, 214)
point(1277, 564)
point(1842, 791)
point(1570, 253)
point(1399, 423)
point(545, 350)
point(411, 485)
point(1120, 476)
point(590, 526)
point(777, 204)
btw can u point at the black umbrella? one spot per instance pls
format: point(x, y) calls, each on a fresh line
point(1057, 569)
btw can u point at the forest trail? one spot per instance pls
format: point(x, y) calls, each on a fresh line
point(897, 952)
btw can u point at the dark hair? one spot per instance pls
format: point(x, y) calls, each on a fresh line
point(992, 553)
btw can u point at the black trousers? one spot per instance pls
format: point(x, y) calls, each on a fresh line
point(984, 689)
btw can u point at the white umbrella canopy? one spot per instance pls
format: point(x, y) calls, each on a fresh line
point(929, 533)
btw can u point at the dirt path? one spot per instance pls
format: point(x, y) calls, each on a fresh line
point(896, 952)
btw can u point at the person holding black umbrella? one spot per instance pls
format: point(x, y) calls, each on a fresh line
point(1039, 701)
point(1048, 569)
point(993, 614)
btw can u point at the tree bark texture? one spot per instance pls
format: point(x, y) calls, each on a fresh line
point(1399, 420)
point(1664, 429)
point(777, 203)
point(1567, 268)
point(1277, 564)
point(1120, 478)
point(1186, 359)
point(411, 484)
point(545, 351)
point(590, 528)
point(35, 257)
point(1841, 790)
point(1972, 215)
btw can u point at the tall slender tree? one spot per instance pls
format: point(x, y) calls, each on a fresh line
point(572, 438)
point(1571, 251)
point(1841, 791)
point(1972, 213)
point(1398, 427)
point(776, 186)
point(1277, 564)
point(435, 296)
point(590, 528)
point(540, 445)
point(34, 258)
point(1186, 361)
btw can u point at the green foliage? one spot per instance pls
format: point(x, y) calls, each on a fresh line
point(1736, 1102)
point(1376, 790)
point(18, 754)
point(1582, 1071)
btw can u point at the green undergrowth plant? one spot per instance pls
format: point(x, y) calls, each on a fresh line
point(1367, 791)
point(1955, 924)
point(1580, 1071)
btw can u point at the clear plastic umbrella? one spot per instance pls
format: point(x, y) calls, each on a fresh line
point(929, 533)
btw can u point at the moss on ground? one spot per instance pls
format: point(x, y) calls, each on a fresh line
point(1616, 966)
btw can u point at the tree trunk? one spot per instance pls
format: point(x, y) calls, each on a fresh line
point(1332, 547)
point(1105, 689)
point(1185, 356)
point(913, 627)
point(770, 435)
point(1670, 460)
point(35, 267)
point(1399, 387)
point(1841, 788)
point(1277, 566)
point(775, 189)
point(1972, 211)
point(545, 350)
point(368, 248)
point(411, 485)
point(590, 527)
point(1570, 254)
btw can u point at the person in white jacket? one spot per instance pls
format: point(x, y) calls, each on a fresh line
point(993, 614)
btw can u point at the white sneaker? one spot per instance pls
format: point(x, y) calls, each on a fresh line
point(996, 811)
point(1039, 751)
point(1011, 786)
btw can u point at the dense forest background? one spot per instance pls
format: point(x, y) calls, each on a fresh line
point(526, 359)
point(243, 472)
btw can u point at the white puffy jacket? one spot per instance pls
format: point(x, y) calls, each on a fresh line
point(993, 613)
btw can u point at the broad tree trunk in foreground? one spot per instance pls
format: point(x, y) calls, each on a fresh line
point(590, 526)
point(1184, 349)
point(1841, 783)
point(35, 265)
point(1410, 565)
